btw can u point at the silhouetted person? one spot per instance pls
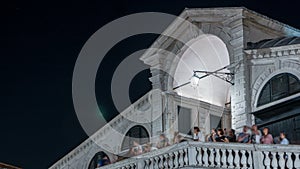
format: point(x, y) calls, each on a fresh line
point(221, 137)
point(231, 136)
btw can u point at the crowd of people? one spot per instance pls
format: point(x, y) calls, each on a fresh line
point(248, 135)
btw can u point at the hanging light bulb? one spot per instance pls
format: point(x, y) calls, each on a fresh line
point(194, 80)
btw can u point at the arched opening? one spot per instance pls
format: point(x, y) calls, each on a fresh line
point(279, 87)
point(279, 106)
point(207, 53)
point(138, 134)
point(100, 159)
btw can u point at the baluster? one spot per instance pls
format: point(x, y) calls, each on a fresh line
point(156, 162)
point(171, 164)
point(132, 166)
point(205, 157)
point(151, 163)
point(224, 163)
point(289, 163)
point(267, 160)
point(185, 159)
point(211, 157)
point(274, 160)
point(237, 159)
point(297, 161)
point(181, 162)
point(161, 162)
point(176, 159)
point(281, 160)
point(199, 156)
point(166, 164)
point(147, 163)
point(230, 159)
point(140, 164)
point(250, 159)
point(244, 159)
point(218, 158)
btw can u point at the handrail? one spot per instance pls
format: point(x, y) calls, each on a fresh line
point(215, 155)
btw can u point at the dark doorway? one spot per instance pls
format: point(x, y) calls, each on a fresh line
point(184, 120)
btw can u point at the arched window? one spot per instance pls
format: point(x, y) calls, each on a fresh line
point(280, 86)
point(100, 159)
point(137, 133)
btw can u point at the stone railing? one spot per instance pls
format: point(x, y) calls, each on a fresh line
point(216, 155)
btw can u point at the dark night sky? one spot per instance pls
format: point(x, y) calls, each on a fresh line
point(40, 42)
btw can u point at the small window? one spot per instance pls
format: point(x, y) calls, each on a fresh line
point(215, 122)
point(280, 86)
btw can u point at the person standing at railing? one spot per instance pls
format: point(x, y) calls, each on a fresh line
point(103, 161)
point(175, 138)
point(178, 138)
point(231, 138)
point(255, 135)
point(137, 149)
point(212, 135)
point(267, 138)
point(221, 137)
point(244, 136)
point(283, 139)
point(148, 148)
point(198, 136)
point(163, 141)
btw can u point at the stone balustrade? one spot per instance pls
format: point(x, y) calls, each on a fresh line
point(215, 155)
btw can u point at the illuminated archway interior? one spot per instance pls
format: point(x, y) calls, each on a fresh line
point(208, 53)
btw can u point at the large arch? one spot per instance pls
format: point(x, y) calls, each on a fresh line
point(206, 52)
point(229, 31)
point(234, 48)
point(261, 80)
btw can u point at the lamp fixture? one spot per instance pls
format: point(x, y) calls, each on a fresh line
point(228, 77)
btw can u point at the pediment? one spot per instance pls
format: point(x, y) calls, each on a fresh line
point(233, 21)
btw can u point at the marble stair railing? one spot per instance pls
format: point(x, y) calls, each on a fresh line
point(216, 155)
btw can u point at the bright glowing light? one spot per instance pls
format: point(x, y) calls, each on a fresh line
point(194, 81)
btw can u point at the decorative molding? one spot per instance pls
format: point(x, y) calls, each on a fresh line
point(288, 50)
